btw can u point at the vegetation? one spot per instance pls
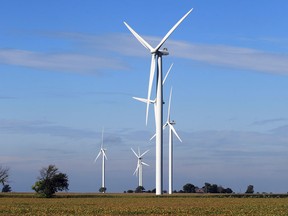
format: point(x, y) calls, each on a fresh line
point(6, 188)
point(140, 189)
point(50, 181)
point(250, 189)
point(143, 204)
point(189, 188)
point(4, 175)
point(102, 189)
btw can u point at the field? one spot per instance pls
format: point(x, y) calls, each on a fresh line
point(142, 204)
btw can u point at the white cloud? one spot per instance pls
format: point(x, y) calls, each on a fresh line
point(67, 62)
point(103, 49)
point(220, 55)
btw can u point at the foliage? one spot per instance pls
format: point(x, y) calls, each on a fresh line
point(4, 175)
point(250, 189)
point(50, 181)
point(139, 189)
point(6, 188)
point(189, 188)
point(102, 189)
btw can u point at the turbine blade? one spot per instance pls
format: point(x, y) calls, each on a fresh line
point(145, 164)
point(169, 106)
point(174, 131)
point(152, 71)
point(138, 152)
point(102, 137)
point(153, 136)
point(134, 153)
point(104, 154)
point(165, 125)
point(144, 153)
point(171, 30)
point(97, 157)
point(139, 38)
point(144, 100)
point(135, 172)
point(167, 74)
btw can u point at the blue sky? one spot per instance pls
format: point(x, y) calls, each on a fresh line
point(69, 68)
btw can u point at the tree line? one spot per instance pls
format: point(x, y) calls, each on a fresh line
point(51, 181)
point(190, 188)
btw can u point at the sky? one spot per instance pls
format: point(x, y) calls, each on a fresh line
point(70, 68)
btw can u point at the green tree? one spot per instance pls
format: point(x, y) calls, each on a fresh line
point(102, 189)
point(6, 188)
point(50, 181)
point(4, 175)
point(207, 187)
point(189, 188)
point(213, 188)
point(250, 189)
point(139, 189)
point(228, 190)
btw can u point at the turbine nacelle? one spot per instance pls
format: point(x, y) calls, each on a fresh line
point(164, 51)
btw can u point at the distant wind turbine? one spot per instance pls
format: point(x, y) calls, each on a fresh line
point(102, 151)
point(139, 169)
point(172, 130)
point(156, 55)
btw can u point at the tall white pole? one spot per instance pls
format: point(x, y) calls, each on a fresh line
point(103, 170)
point(140, 174)
point(170, 161)
point(159, 126)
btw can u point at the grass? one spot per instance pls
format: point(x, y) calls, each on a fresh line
point(142, 204)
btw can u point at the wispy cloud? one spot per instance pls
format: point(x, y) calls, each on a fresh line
point(6, 97)
point(106, 52)
point(215, 54)
point(268, 121)
point(282, 130)
point(63, 62)
point(234, 57)
point(44, 127)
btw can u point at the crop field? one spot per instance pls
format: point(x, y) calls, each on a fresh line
point(141, 204)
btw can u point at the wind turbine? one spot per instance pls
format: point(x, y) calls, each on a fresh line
point(102, 151)
point(172, 130)
point(139, 168)
point(156, 56)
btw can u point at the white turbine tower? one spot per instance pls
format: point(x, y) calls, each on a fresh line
point(102, 151)
point(157, 57)
point(139, 169)
point(172, 130)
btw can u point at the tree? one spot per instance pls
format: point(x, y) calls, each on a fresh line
point(250, 189)
point(228, 190)
point(50, 181)
point(6, 188)
point(207, 187)
point(189, 188)
point(139, 189)
point(4, 174)
point(102, 189)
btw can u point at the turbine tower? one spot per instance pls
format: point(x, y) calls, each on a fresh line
point(139, 168)
point(102, 151)
point(156, 56)
point(172, 130)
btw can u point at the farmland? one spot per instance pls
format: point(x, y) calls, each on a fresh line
point(142, 204)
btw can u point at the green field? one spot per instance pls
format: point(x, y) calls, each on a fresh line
point(142, 204)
